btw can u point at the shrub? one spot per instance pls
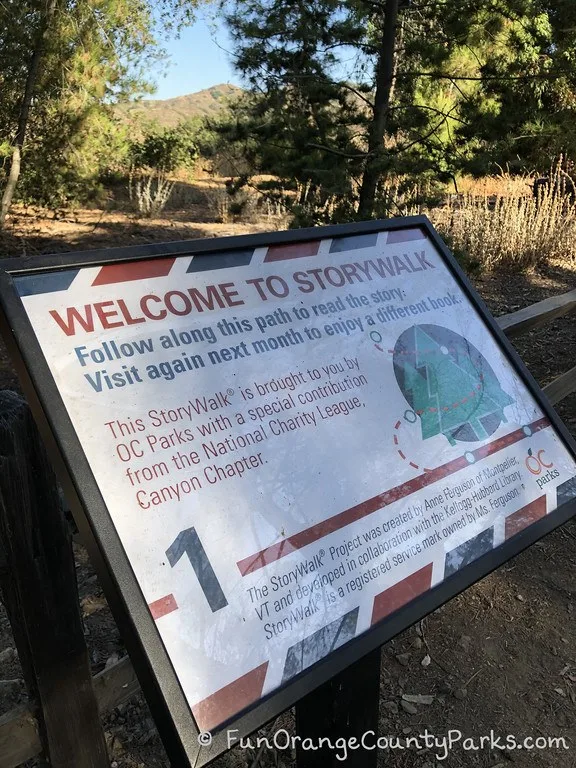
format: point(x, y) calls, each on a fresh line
point(155, 156)
point(165, 150)
point(509, 232)
point(149, 192)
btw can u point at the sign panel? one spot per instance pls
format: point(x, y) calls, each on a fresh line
point(296, 437)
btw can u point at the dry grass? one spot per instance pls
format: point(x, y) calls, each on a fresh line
point(149, 192)
point(496, 222)
point(501, 185)
point(246, 205)
point(509, 233)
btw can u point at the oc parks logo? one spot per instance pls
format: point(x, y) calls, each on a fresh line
point(537, 465)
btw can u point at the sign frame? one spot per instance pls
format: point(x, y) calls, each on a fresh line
point(155, 672)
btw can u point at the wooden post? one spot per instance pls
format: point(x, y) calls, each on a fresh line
point(343, 708)
point(40, 593)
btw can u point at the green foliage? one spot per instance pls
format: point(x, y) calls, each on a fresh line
point(204, 136)
point(299, 121)
point(166, 150)
point(523, 113)
point(477, 83)
point(95, 52)
point(66, 158)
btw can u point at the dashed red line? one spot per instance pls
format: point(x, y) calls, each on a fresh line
point(430, 409)
point(402, 455)
point(448, 407)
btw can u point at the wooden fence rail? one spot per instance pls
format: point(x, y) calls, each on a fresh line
point(19, 736)
point(524, 320)
point(20, 731)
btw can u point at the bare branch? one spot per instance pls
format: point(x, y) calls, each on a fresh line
point(340, 153)
point(430, 109)
point(430, 133)
point(484, 78)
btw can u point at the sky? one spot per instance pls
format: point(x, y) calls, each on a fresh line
point(201, 58)
point(196, 61)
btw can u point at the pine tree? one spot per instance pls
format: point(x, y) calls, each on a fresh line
point(344, 95)
point(299, 120)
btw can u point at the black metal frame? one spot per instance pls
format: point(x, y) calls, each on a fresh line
point(153, 667)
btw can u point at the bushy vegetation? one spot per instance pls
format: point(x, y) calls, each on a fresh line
point(351, 109)
point(507, 232)
point(153, 157)
point(63, 65)
point(425, 90)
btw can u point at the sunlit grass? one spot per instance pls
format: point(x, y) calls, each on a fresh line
point(501, 231)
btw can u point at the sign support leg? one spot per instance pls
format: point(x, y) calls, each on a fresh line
point(344, 707)
point(38, 585)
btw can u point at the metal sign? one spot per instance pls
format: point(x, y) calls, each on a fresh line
point(284, 449)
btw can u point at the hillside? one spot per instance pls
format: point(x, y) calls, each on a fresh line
point(169, 112)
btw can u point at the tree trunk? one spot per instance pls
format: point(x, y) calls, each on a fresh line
point(24, 114)
point(385, 74)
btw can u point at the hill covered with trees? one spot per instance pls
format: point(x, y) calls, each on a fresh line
point(167, 113)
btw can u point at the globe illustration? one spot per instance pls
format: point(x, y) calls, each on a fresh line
point(448, 384)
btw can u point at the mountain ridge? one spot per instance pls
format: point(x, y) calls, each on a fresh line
point(169, 112)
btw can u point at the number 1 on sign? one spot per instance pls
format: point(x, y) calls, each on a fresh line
point(187, 542)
